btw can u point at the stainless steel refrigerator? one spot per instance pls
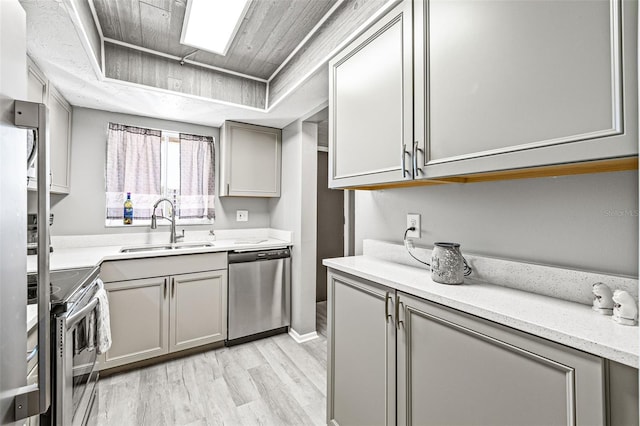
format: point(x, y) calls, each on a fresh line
point(17, 400)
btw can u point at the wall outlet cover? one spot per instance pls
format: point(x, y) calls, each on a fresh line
point(242, 215)
point(413, 221)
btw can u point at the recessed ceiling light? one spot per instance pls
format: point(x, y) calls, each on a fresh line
point(211, 25)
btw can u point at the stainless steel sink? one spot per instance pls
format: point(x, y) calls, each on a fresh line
point(201, 244)
point(177, 246)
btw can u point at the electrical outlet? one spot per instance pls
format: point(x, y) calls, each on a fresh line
point(413, 221)
point(242, 215)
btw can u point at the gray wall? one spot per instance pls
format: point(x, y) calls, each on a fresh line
point(586, 222)
point(295, 210)
point(83, 210)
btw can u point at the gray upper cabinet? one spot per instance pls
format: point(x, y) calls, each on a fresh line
point(370, 104)
point(40, 90)
point(251, 160)
point(60, 134)
point(514, 84)
point(441, 90)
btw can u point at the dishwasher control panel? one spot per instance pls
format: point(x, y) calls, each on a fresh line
point(253, 256)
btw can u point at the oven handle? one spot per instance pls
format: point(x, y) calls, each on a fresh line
point(75, 318)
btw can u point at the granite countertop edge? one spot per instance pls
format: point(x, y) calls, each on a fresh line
point(568, 323)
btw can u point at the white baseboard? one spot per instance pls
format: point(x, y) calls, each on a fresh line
point(302, 338)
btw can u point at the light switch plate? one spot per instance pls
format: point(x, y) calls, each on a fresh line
point(413, 221)
point(242, 215)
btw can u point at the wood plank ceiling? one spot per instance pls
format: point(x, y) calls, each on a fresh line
point(270, 31)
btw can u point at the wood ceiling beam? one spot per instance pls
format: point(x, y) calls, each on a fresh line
point(117, 60)
point(157, 71)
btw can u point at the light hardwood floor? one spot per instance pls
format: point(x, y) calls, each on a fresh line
point(272, 381)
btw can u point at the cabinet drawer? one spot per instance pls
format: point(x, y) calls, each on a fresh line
point(130, 269)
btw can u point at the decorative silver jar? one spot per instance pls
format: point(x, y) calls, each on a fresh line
point(447, 264)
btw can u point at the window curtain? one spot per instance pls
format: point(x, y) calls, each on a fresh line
point(133, 165)
point(197, 177)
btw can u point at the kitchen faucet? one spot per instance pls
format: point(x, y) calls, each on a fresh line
point(172, 219)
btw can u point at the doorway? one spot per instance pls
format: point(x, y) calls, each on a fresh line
point(330, 214)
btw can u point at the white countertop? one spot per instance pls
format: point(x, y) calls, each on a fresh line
point(569, 323)
point(82, 257)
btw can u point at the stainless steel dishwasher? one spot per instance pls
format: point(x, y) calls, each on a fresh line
point(259, 294)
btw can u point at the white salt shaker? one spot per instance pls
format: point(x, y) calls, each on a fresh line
point(625, 309)
point(602, 299)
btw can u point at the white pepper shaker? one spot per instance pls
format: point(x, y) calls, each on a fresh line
point(602, 299)
point(625, 308)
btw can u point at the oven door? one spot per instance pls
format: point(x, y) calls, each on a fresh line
point(76, 373)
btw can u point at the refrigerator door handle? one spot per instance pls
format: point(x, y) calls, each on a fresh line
point(34, 399)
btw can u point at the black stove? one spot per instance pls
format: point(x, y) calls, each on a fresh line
point(64, 285)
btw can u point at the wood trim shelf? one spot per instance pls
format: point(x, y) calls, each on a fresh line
point(600, 166)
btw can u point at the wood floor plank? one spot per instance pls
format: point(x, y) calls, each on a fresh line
point(293, 378)
point(321, 318)
point(278, 400)
point(314, 370)
point(239, 382)
point(271, 382)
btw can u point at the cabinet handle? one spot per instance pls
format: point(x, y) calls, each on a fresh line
point(398, 320)
point(404, 165)
point(165, 288)
point(416, 169)
point(387, 315)
point(173, 287)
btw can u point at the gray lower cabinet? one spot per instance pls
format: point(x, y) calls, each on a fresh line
point(397, 359)
point(361, 346)
point(168, 313)
point(139, 312)
point(456, 369)
point(197, 309)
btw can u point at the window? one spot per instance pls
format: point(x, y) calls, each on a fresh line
point(154, 164)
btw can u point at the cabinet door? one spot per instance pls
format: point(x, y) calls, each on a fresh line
point(361, 348)
point(198, 309)
point(251, 160)
point(139, 312)
point(456, 369)
point(517, 84)
point(60, 135)
point(370, 105)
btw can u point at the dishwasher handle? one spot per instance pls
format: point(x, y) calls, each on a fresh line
point(256, 256)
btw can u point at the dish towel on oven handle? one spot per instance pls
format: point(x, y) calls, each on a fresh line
point(103, 329)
